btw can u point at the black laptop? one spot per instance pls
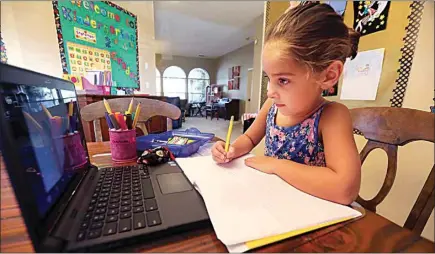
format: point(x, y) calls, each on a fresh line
point(68, 204)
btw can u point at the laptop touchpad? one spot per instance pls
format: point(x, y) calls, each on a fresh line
point(173, 183)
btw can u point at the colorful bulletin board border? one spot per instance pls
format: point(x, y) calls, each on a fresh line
point(87, 32)
point(3, 56)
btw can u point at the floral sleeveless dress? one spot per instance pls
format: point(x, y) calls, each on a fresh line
point(299, 143)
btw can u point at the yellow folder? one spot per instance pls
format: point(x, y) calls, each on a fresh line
point(271, 239)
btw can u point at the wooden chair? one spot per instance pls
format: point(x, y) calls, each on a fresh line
point(149, 108)
point(184, 109)
point(212, 111)
point(388, 128)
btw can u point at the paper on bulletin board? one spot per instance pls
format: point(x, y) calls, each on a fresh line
point(76, 80)
point(84, 58)
point(361, 75)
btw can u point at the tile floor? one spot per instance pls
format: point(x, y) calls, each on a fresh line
point(218, 127)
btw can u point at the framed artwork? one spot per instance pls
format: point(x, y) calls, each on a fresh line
point(236, 71)
point(234, 78)
point(370, 16)
point(236, 85)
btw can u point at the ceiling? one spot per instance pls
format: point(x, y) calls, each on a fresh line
point(209, 28)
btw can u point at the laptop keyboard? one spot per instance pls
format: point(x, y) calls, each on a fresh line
point(122, 201)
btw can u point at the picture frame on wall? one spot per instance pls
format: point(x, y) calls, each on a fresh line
point(230, 85)
point(370, 16)
point(236, 72)
point(237, 83)
point(234, 78)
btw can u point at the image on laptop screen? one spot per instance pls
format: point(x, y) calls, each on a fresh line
point(45, 126)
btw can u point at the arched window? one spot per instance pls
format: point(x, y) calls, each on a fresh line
point(198, 80)
point(158, 83)
point(174, 82)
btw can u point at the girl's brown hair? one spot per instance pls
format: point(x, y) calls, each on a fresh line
point(315, 35)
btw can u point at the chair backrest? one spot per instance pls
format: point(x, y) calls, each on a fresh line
point(149, 108)
point(183, 104)
point(387, 128)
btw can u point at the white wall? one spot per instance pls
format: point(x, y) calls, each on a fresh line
point(187, 64)
point(29, 33)
point(257, 72)
point(242, 57)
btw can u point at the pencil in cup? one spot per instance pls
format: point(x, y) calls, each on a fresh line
point(130, 107)
point(114, 121)
point(129, 121)
point(109, 122)
point(107, 106)
point(121, 122)
point(136, 116)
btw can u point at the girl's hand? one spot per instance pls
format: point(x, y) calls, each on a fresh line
point(219, 154)
point(262, 163)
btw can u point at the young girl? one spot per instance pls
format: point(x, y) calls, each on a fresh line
point(309, 141)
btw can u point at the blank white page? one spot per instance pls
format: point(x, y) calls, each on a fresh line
point(245, 204)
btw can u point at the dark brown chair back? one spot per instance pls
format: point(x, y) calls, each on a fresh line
point(387, 128)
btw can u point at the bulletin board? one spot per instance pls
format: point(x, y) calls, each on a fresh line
point(398, 39)
point(98, 36)
point(3, 56)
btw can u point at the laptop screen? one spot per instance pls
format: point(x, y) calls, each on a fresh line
point(46, 129)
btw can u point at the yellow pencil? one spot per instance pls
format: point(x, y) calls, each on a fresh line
point(136, 116)
point(230, 129)
point(46, 111)
point(130, 107)
point(70, 108)
point(106, 104)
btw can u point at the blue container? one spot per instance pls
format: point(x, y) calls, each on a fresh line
point(155, 140)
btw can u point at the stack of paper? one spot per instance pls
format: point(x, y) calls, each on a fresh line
point(246, 205)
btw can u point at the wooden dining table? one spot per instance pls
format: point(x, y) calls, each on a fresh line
point(370, 233)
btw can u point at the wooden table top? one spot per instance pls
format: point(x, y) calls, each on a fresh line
point(372, 233)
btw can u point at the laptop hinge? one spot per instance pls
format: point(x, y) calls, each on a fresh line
point(53, 245)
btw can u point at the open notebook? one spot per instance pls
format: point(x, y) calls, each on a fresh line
point(249, 208)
